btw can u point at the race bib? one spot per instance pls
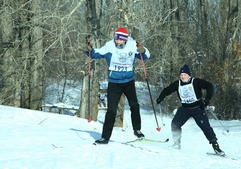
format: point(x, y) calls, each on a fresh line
point(121, 61)
point(187, 93)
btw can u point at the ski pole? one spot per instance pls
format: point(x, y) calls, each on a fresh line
point(209, 110)
point(146, 77)
point(89, 115)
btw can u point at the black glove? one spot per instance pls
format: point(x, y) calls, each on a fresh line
point(140, 48)
point(158, 101)
point(205, 103)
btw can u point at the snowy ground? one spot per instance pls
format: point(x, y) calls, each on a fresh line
point(38, 140)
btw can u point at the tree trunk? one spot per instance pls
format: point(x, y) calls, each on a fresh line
point(89, 93)
point(36, 80)
point(10, 94)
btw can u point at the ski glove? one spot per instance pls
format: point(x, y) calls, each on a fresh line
point(205, 103)
point(158, 101)
point(140, 48)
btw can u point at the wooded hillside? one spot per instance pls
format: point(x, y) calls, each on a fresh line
point(41, 40)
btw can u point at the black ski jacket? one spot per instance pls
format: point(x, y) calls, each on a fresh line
point(198, 84)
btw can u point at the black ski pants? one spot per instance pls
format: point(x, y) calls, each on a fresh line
point(200, 117)
point(114, 92)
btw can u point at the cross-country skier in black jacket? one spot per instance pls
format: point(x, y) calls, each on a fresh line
point(189, 90)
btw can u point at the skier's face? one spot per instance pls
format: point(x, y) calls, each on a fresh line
point(184, 77)
point(119, 43)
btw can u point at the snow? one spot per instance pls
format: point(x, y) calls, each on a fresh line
point(42, 140)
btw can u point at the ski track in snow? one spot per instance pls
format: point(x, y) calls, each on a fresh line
point(38, 140)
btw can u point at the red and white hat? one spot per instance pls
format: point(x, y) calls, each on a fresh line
point(121, 33)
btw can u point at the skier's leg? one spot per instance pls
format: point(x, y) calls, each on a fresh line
point(114, 93)
point(178, 121)
point(202, 121)
point(130, 93)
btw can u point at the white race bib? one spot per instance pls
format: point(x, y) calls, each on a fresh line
point(122, 59)
point(187, 93)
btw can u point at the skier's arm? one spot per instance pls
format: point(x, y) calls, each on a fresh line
point(167, 91)
point(203, 84)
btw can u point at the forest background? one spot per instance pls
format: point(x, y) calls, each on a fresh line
point(42, 42)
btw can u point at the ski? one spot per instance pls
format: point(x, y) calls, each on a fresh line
point(157, 141)
point(146, 140)
point(223, 156)
point(140, 140)
point(128, 143)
